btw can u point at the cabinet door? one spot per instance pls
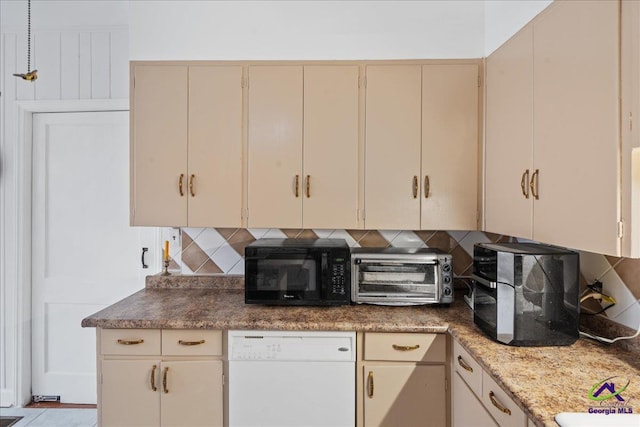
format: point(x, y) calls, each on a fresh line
point(392, 147)
point(128, 395)
point(159, 145)
point(449, 147)
point(193, 393)
point(330, 147)
point(275, 147)
point(576, 125)
point(467, 409)
point(509, 137)
point(404, 395)
point(215, 146)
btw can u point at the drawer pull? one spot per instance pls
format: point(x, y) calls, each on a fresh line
point(405, 347)
point(153, 378)
point(191, 342)
point(370, 384)
point(130, 342)
point(164, 380)
point(464, 365)
point(497, 404)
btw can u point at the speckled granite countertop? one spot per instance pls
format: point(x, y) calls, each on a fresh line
point(543, 381)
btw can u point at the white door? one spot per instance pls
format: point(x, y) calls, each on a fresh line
point(85, 255)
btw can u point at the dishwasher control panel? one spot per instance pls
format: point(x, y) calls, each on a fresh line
point(291, 346)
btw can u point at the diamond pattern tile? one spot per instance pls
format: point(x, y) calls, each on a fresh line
point(221, 251)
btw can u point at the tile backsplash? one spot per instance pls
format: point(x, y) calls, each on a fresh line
point(221, 251)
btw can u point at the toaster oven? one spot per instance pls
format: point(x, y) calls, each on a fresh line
point(401, 276)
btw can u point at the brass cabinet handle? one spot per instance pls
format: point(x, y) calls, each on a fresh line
point(190, 342)
point(308, 186)
point(523, 184)
point(534, 184)
point(464, 365)
point(180, 184)
point(153, 378)
point(130, 342)
point(191, 185)
point(297, 185)
point(405, 347)
point(415, 187)
point(164, 380)
point(497, 404)
point(427, 186)
point(370, 384)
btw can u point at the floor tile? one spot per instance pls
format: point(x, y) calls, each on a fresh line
point(65, 418)
point(28, 414)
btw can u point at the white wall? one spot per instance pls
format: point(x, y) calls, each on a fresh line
point(81, 51)
point(228, 30)
point(504, 18)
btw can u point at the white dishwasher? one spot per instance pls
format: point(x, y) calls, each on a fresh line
point(283, 378)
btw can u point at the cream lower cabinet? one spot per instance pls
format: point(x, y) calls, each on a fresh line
point(402, 380)
point(160, 378)
point(421, 147)
point(477, 400)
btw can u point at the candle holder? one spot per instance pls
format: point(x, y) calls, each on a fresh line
point(165, 270)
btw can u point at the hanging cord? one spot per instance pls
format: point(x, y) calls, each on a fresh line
point(28, 36)
point(30, 75)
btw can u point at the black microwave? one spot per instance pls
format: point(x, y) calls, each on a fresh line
point(297, 272)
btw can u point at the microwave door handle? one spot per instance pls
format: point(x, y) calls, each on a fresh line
point(484, 282)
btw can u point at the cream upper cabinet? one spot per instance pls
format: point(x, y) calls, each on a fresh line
point(421, 149)
point(330, 154)
point(509, 137)
point(630, 104)
point(159, 120)
point(275, 179)
point(186, 145)
point(449, 147)
point(303, 146)
point(552, 137)
point(576, 125)
point(215, 146)
point(392, 147)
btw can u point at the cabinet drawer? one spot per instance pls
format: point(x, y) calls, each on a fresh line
point(130, 342)
point(191, 342)
point(499, 404)
point(468, 369)
point(411, 347)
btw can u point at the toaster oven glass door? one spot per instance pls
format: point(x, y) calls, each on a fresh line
point(397, 280)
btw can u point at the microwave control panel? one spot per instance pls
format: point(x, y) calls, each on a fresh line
point(338, 279)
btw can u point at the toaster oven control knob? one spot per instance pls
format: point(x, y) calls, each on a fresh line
point(446, 268)
point(447, 279)
point(447, 291)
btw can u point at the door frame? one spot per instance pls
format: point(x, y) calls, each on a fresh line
point(18, 291)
